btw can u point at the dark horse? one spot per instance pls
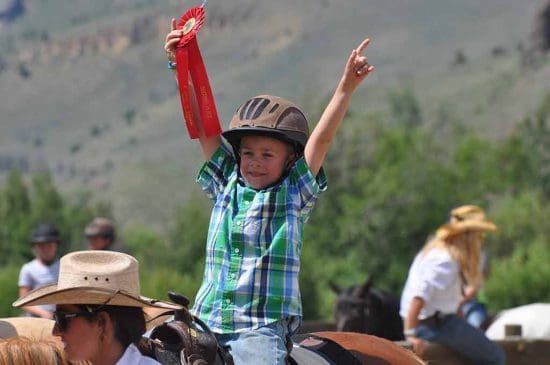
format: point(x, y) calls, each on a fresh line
point(365, 309)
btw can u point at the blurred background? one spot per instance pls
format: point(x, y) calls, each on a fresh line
point(457, 112)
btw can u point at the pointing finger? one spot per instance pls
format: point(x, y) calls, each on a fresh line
point(363, 45)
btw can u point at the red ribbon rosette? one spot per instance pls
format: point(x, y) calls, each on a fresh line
point(189, 61)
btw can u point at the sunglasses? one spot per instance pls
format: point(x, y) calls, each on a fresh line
point(62, 318)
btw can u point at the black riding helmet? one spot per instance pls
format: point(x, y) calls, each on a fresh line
point(269, 116)
point(45, 232)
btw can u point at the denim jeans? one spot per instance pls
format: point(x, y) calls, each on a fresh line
point(475, 312)
point(469, 341)
point(264, 345)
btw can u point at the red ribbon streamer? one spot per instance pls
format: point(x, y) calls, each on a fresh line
point(189, 61)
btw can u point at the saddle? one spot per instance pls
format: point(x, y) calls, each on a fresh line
point(186, 340)
point(312, 349)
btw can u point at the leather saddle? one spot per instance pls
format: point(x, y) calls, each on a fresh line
point(187, 340)
point(312, 349)
point(173, 344)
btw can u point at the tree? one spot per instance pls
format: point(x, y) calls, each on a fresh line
point(405, 108)
point(15, 208)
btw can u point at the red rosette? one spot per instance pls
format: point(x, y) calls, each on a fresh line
point(189, 61)
point(190, 23)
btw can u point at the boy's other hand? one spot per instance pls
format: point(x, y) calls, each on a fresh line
point(357, 68)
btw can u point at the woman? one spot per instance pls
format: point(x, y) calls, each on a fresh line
point(100, 315)
point(433, 292)
point(473, 308)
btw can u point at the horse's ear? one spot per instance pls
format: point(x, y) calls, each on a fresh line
point(362, 290)
point(334, 287)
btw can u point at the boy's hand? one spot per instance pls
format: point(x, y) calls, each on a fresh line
point(172, 40)
point(357, 68)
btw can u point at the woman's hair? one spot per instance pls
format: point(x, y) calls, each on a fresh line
point(23, 350)
point(128, 322)
point(465, 248)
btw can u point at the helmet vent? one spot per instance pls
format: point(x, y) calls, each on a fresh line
point(253, 108)
point(244, 108)
point(275, 107)
point(260, 108)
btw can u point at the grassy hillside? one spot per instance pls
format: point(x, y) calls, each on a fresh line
point(84, 89)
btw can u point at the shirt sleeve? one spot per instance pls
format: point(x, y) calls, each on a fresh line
point(309, 186)
point(214, 174)
point(439, 272)
point(25, 278)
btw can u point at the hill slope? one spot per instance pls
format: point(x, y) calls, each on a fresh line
point(84, 89)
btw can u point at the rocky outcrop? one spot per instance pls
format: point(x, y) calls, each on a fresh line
point(541, 31)
point(116, 39)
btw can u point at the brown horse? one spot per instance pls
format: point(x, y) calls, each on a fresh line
point(350, 348)
point(186, 335)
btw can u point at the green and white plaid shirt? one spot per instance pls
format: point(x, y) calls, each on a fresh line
point(254, 245)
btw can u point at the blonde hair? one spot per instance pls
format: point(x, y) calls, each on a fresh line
point(465, 249)
point(23, 350)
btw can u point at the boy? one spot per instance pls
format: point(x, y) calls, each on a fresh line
point(43, 270)
point(263, 191)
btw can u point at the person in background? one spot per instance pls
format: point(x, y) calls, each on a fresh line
point(43, 270)
point(433, 292)
point(472, 307)
point(100, 315)
point(101, 235)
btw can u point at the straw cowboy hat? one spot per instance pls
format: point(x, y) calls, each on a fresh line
point(467, 212)
point(34, 328)
point(466, 218)
point(97, 277)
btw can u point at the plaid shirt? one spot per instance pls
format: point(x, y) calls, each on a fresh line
point(254, 245)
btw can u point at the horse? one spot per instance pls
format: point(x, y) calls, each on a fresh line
point(365, 309)
point(188, 340)
point(350, 348)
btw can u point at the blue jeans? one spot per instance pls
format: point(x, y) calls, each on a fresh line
point(264, 345)
point(456, 333)
point(474, 312)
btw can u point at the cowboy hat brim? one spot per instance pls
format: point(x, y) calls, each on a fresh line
point(452, 229)
point(88, 295)
point(155, 311)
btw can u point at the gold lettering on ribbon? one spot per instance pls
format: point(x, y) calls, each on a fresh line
point(206, 106)
point(189, 25)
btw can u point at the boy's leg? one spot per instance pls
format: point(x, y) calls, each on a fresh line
point(264, 345)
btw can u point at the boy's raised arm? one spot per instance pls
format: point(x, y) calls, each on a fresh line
point(209, 145)
point(356, 70)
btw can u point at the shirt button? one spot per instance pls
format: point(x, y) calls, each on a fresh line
point(228, 301)
point(237, 250)
point(239, 223)
point(246, 202)
point(232, 275)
